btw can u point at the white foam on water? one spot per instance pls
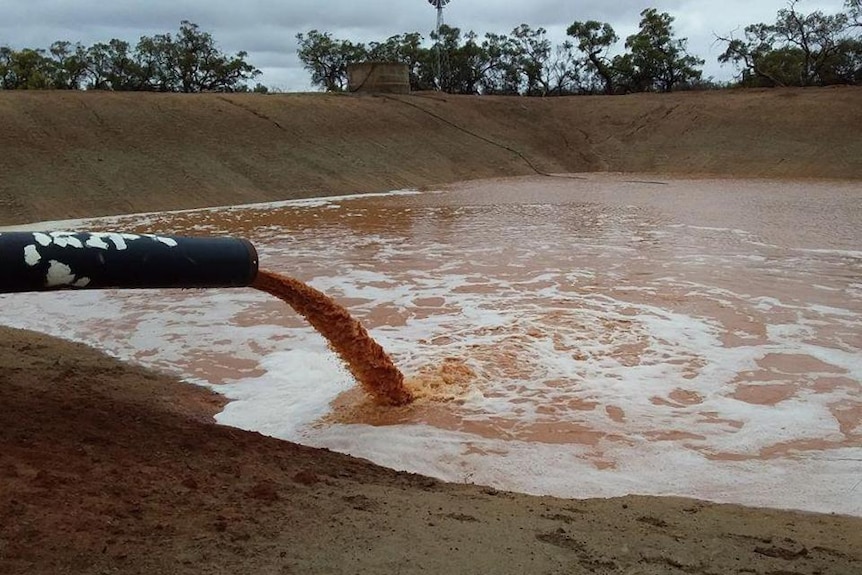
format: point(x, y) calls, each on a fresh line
point(140, 219)
point(297, 387)
point(615, 350)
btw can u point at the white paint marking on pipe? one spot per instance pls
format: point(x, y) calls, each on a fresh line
point(42, 239)
point(118, 240)
point(66, 239)
point(59, 274)
point(81, 282)
point(95, 241)
point(32, 255)
point(60, 241)
point(170, 242)
point(100, 239)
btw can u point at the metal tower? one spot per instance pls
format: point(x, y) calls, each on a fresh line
point(442, 61)
point(438, 4)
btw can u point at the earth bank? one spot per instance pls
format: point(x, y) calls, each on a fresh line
point(110, 468)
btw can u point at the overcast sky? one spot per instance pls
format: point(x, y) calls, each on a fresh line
point(266, 29)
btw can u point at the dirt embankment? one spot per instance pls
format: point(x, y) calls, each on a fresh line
point(107, 468)
point(82, 154)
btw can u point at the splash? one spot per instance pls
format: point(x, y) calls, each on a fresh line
point(365, 359)
point(434, 387)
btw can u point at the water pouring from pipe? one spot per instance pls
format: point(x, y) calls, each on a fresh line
point(47, 261)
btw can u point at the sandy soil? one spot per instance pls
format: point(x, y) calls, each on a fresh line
point(81, 154)
point(109, 468)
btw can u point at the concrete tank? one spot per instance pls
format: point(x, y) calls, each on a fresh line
point(380, 77)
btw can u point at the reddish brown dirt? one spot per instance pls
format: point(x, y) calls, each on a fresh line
point(109, 468)
point(364, 357)
point(75, 154)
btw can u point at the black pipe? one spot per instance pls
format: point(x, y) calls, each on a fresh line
point(40, 261)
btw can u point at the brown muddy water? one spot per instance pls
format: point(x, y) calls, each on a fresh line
point(347, 337)
point(577, 336)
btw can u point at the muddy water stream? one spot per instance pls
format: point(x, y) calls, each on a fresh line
point(581, 337)
point(362, 356)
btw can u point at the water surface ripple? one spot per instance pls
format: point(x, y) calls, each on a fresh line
point(574, 337)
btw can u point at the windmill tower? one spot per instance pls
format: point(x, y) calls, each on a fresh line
point(442, 62)
point(439, 4)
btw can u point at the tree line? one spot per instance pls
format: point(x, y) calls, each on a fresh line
point(797, 49)
point(188, 61)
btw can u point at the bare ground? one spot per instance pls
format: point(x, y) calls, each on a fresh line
point(79, 154)
point(110, 468)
